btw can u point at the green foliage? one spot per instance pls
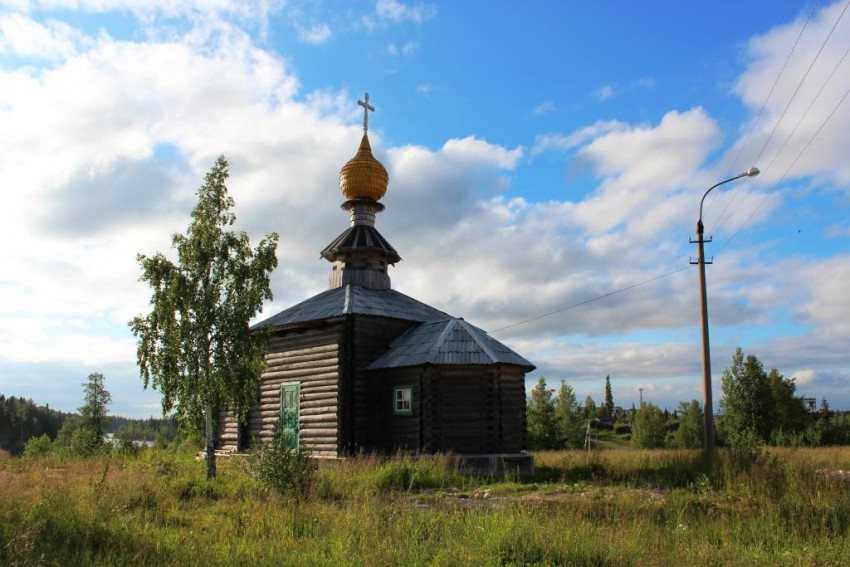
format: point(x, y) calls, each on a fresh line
point(195, 345)
point(84, 442)
point(279, 469)
point(790, 412)
point(125, 443)
point(746, 448)
point(148, 429)
point(589, 408)
point(541, 420)
point(93, 414)
point(38, 447)
point(691, 432)
point(663, 508)
point(404, 474)
point(648, 431)
point(758, 402)
point(608, 405)
point(22, 419)
point(569, 418)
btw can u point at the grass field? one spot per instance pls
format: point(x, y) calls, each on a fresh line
point(614, 507)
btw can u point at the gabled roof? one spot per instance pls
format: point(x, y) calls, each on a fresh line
point(353, 299)
point(449, 341)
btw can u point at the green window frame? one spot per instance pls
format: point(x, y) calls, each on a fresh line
point(403, 400)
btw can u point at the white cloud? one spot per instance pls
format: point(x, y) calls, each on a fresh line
point(24, 37)
point(561, 142)
point(825, 157)
point(104, 191)
point(316, 35)
point(605, 92)
point(544, 108)
point(397, 11)
point(148, 9)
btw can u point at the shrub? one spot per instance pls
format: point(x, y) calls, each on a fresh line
point(281, 469)
point(746, 449)
point(38, 446)
point(125, 443)
point(85, 442)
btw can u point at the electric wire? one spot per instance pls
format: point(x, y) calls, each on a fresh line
point(761, 153)
point(591, 300)
point(802, 80)
point(723, 221)
point(764, 105)
point(790, 167)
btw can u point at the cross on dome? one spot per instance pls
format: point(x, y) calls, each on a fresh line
point(366, 108)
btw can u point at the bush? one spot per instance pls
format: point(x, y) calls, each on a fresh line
point(125, 444)
point(38, 447)
point(746, 449)
point(84, 442)
point(648, 430)
point(281, 469)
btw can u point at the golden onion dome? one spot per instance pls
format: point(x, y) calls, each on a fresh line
point(363, 177)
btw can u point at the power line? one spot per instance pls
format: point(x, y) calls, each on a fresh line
point(802, 80)
point(794, 130)
point(597, 298)
point(723, 220)
point(764, 105)
point(793, 163)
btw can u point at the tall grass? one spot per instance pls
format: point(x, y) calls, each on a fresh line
point(789, 507)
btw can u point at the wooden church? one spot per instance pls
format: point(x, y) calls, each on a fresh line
point(363, 368)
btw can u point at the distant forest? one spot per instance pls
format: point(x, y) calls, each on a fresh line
point(21, 419)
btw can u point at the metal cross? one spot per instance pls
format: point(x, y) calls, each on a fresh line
point(366, 108)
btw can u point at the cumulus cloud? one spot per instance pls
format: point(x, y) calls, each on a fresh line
point(134, 125)
point(397, 11)
point(544, 108)
point(24, 37)
point(780, 136)
point(316, 35)
point(605, 92)
point(562, 142)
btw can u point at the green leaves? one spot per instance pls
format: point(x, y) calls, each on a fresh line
point(194, 345)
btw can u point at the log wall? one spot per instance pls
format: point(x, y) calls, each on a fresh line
point(310, 358)
point(227, 431)
point(456, 409)
point(369, 338)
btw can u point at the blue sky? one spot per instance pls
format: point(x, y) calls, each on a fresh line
point(541, 154)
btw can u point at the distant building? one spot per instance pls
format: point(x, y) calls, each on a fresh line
point(363, 368)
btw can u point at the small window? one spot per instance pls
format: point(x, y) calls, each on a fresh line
point(403, 400)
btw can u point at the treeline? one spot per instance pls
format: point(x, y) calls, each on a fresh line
point(151, 429)
point(757, 407)
point(21, 419)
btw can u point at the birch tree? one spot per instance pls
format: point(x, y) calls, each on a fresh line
point(194, 345)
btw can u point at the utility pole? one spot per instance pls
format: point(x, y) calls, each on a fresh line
point(706, 351)
point(641, 396)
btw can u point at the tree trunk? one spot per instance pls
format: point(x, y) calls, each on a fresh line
point(210, 441)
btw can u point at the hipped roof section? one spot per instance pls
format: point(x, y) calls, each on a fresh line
point(448, 342)
point(353, 299)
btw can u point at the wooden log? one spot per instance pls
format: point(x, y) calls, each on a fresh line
point(319, 432)
point(326, 418)
point(296, 343)
point(331, 369)
point(309, 353)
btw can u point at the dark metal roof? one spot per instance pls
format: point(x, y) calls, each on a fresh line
point(361, 237)
point(352, 299)
point(450, 341)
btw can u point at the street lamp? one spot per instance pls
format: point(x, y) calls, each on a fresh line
point(706, 354)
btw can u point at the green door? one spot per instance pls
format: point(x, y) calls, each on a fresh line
point(290, 405)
